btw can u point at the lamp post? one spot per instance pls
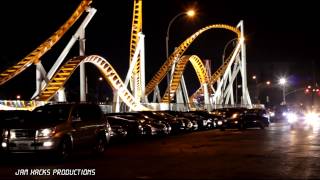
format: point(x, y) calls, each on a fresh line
point(189, 13)
point(282, 82)
point(256, 93)
point(100, 79)
point(225, 48)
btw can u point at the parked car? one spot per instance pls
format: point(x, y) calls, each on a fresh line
point(221, 117)
point(232, 118)
point(256, 117)
point(125, 126)
point(203, 118)
point(9, 119)
point(176, 124)
point(243, 118)
point(61, 128)
point(150, 125)
point(187, 124)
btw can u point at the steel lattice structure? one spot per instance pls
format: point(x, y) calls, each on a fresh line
point(137, 93)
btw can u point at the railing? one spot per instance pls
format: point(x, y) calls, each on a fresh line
point(20, 105)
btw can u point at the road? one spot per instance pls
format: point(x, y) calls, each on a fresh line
point(274, 153)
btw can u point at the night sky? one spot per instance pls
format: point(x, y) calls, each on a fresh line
point(281, 36)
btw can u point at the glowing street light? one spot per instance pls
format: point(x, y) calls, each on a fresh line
point(283, 82)
point(189, 13)
point(254, 77)
point(268, 83)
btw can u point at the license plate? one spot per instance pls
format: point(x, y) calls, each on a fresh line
point(23, 146)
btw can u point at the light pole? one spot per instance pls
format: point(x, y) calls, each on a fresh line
point(225, 48)
point(189, 13)
point(282, 82)
point(100, 79)
point(256, 93)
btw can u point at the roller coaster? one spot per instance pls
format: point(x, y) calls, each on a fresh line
point(216, 89)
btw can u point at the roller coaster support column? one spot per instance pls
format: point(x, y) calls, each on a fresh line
point(138, 52)
point(116, 101)
point(245, 93)
point(41, 75)
point(207, 104)
point(83, 85)
point(38, 77)
point(68, 47)
point(144, 98)
point(218, 97)
point(185, 92)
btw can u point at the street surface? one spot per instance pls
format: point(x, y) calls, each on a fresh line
point(274, 153)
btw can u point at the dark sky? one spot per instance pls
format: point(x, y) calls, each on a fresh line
point(281, 36)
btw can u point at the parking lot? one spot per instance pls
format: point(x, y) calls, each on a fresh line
point(276, 152)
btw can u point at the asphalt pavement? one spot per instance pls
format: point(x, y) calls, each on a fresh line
point(277, 152)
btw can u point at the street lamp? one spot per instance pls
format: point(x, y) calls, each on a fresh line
point(189, 13)
point(282, 82)
point(225, 48)
point(100, 79)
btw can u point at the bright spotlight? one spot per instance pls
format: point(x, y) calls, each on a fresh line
point(191, 13)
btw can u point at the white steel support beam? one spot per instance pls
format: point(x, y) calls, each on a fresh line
point(144, 98)
point(116, 101)
point(74, 38)
point(206, 97)
point(170, 82)
point(64, 53)
point(245, 93)
point(185, 92)
point(134, 59)
point(225, 75)
point(38, 78)
point(179, 98)
point(41, 75)
point(139, 51)
point(229, 89)
point(61, 95)
point(83, 84)
point(156, 95)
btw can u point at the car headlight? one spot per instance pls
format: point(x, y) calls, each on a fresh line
point(285, 114)
point(5, 134)
point(271, 114)
point(312, 118)
point(235, 115)
point(219, 123)
point(47, 132)
point(292, 117)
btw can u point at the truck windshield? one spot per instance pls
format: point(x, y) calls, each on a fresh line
point(52, 113)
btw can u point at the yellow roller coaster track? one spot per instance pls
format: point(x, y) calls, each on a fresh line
point(135, 29)
point(35, 55)
point(200, 71)
point(215, 76)
point(109, 74)
point(176, 55)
